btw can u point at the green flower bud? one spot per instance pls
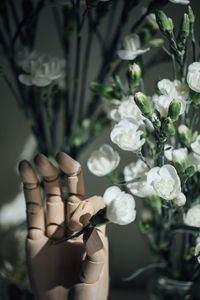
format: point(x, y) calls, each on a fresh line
point(134, 75)
point(180, 167)
point(156, 43)
point(191, 15)
point(143, 103)
point(168, 128)
point(101, 90)
point(174, 110)
point(185, 135)
point(195, 97)
point(165, 24)
point(190, 171)
point(184, 32)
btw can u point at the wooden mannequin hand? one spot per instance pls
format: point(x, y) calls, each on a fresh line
point(75, 269)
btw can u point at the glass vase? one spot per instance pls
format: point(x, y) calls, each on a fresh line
point(164, 288)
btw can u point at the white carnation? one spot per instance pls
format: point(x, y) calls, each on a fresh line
point(126, 109)
point(131, 47)
point(103, 161)
point(192, 217)
point(193, 76)
point(135, 170)
point(41, 69)
point(120, 206)
point(127, 136)
point(170, 90)
point(165, 182)
point(184, 2)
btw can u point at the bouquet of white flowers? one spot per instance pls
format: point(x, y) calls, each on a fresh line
point(161, 130)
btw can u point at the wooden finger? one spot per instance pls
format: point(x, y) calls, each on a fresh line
point(34, 209)
point(84, 211)
point(96, 257)
point(54, 197)
point(74, 181)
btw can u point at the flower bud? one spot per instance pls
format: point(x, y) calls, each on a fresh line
point(179, 158)
point(195, 97)
point(179, 155)
point(144, 104)
point(86, 123)
point(191, 15)
point(101, 90)
point(184, 32)
point(168, 127)
point(165, 24)
point(185, 135)
point(190, 171)
point(134, 75)
point(174, 110)
point(180, 200)
point(156, 43)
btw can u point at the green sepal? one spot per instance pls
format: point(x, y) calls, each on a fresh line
point(99, 218)
point(165, 24)
point(174, 110)
point(144, 104)
point(195, 97)
point(191, 15)
point(190, 171)
point(183, 33)
point(168, 128)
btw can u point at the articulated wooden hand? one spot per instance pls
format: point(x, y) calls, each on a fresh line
point(75, 269)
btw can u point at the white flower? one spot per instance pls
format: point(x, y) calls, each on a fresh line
point(192, 217)
point(184, 2)
point(103, 161)
point(135, 170)
point(170, 90)
point(193, 76)
point(126, 109)
point(162, 104)
point(131, 47)
point(120, 206)
point(127, 136)
point(180, 200)
point(179, 155)
point(165, 182)
point(196, 145)
point(41, 69)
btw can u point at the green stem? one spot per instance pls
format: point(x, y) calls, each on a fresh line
point(140, 155)
point(193, 42)
point(85, 70)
